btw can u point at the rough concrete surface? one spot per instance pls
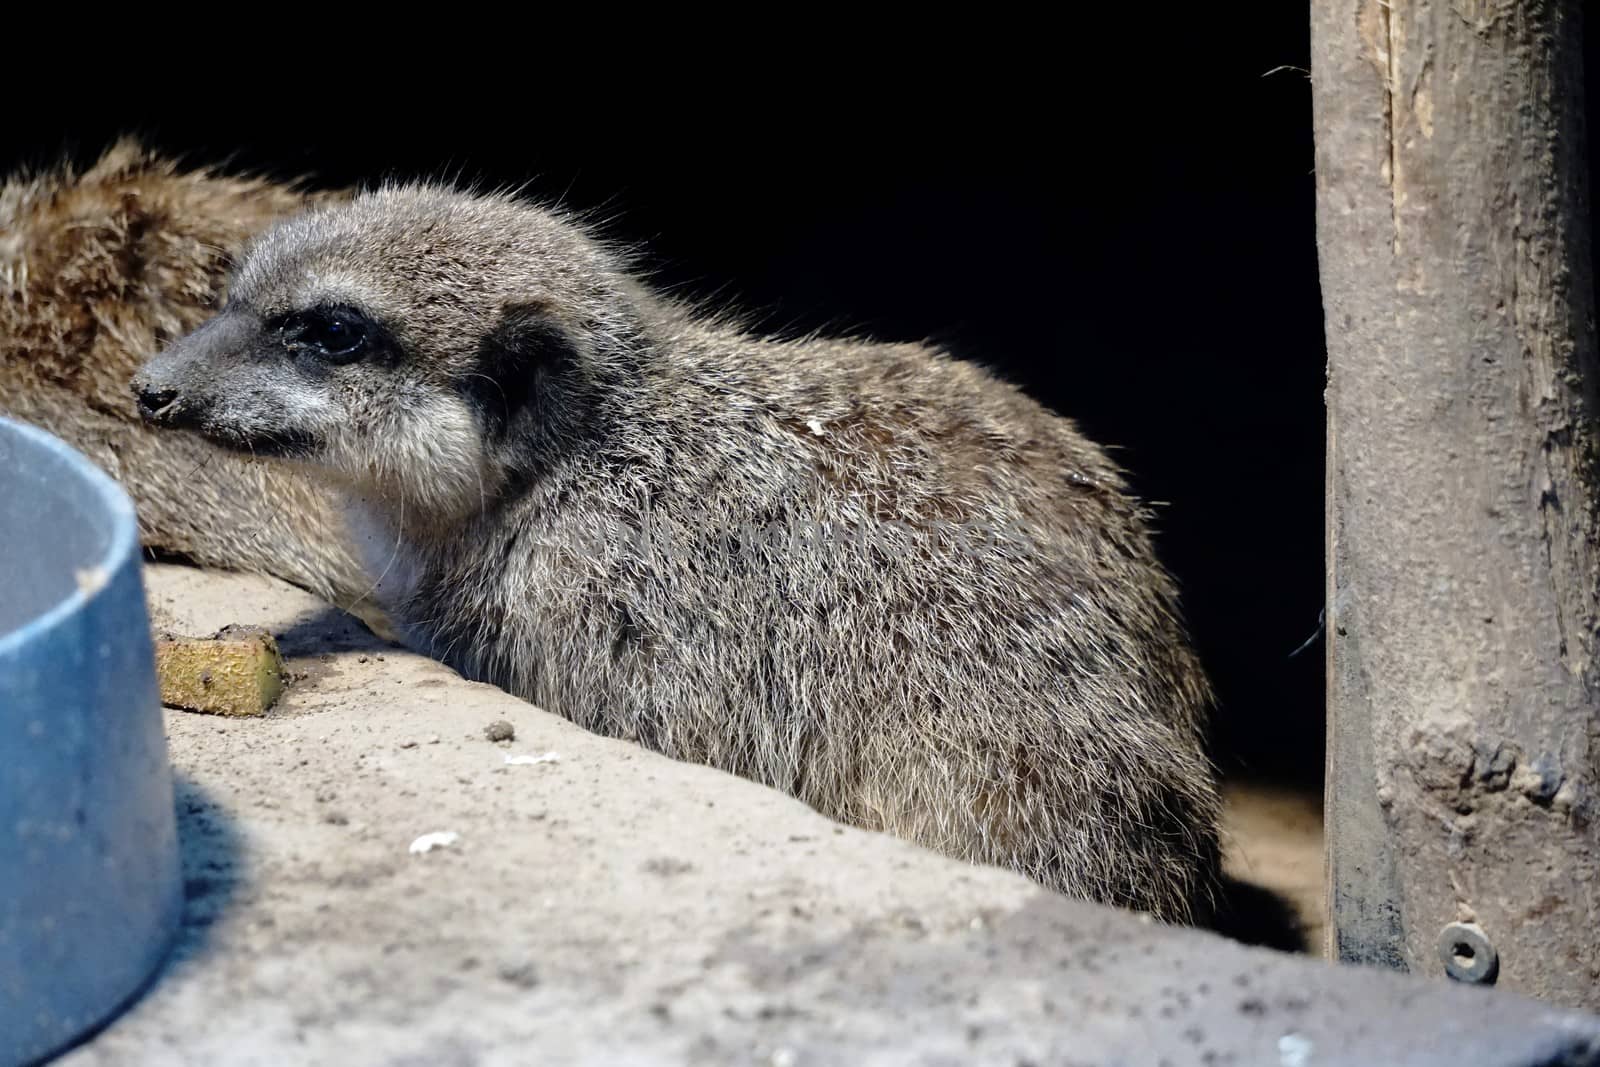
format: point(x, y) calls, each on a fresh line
point(614, 907)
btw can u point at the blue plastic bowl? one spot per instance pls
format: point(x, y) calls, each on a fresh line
point(90, 886)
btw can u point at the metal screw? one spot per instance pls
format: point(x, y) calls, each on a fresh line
point(1467, 954)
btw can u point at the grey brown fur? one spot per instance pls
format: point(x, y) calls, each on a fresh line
point(99, 269)
point(522, 411)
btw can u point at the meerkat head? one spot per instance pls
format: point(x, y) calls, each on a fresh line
point(414, 341)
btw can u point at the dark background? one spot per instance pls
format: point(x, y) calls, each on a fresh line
point(1119, 219)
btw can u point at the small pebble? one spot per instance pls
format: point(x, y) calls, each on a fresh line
point(521, 975)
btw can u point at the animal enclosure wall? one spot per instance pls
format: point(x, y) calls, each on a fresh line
point(1464, 684)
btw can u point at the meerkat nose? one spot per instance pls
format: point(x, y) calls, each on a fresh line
point(153, 402)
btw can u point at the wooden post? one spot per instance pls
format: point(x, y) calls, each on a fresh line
point(1453, 231)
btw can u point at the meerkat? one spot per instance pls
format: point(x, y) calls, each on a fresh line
point(99, 269)
point(869, 575)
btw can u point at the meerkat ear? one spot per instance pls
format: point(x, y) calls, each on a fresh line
point(522, 347)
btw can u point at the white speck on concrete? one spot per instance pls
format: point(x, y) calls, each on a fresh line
point(437, 839)
point(1294, 1050)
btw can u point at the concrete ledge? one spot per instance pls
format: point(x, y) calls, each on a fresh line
point(615, 907)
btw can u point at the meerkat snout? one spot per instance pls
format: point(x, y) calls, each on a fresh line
point(568, 485)
point(218, 382)
point(153, 401)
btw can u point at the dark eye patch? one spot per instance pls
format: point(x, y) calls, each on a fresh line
point(331, 334)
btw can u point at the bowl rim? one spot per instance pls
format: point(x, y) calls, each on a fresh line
point(122, 544)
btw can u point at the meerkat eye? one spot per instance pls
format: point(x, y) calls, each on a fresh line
point(338, 335)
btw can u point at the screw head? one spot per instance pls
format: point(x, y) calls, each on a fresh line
point(1468, 955)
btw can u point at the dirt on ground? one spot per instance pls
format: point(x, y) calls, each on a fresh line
point(1272, 840)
